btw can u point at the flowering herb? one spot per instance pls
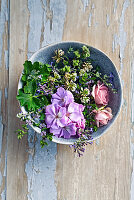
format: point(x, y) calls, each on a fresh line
point(67, 98)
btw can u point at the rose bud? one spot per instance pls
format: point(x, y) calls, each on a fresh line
point(103, 116)
point(101, 94)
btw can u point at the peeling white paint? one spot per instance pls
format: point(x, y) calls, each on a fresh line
point(6, 93)
point(121, 39)
point(35, 11)
point(93, 6)
point(90, 20)
point(97, 141)
point(3, 195)
point(3, 19)
point(115, 5)
point(122, 35)
point(45, 27)
point(53, 35)
point(40, 169)
point(107, 20)
point(115, 42)
point(85, 4)
point(6, 59)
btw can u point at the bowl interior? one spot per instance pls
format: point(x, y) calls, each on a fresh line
point(45, 54)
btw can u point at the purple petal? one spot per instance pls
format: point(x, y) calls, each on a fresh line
point(62, 112)
point(71, 129)
point(49, 109)
point(71, 107)
point(56, 132)
point(52, 109)
point(54, 124)
point(61, 92)
point(55, 96)
point(70, 97)
point(75, 116)
point(49, 120)
point(65, 134)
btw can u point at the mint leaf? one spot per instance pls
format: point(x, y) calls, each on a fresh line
point(30, 87)
point(28, 101)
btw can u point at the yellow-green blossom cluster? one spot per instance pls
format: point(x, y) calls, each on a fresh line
point(85, 95)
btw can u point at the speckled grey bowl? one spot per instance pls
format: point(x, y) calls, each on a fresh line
point(45, 54)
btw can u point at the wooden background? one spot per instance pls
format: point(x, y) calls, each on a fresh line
point(28, 172)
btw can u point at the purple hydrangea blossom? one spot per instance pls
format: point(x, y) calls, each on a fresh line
point(55, 116)
point(62, 97)
point(66, 131)
point(74, 112)
point(64, 117)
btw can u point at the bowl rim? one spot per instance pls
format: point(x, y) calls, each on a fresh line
point(72, 140)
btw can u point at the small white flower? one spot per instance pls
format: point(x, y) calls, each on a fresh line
point(84, 99)
point(50, 78)
point(56, 75)
point(82, 72)
point(73, 76)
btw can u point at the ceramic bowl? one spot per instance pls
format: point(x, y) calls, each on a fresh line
point(45, 54)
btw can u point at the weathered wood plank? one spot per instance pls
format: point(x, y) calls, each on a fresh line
point(45, 27)
point(4, 17)
point(17, 151)
point(104, 172)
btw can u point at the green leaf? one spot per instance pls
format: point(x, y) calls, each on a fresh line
point(45, 71)
point(42, 116)
point(77, 54)
point(27, 67)
point(25, 127)
point(65, 62)
point(37, 68)
point(30, 87)
point(97, 74)
point(44, 101)
point(49, 136)
point(43, 143)
point(70, 50)
point(24, 77)
point(28, 101)
point(75, 63)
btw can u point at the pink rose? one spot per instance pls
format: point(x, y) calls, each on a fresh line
point(100, 94)
point(103, 116)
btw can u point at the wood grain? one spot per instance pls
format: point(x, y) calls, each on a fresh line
point(27, 172)
point(4, 17)
point(104, 172)
point(17, 151)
